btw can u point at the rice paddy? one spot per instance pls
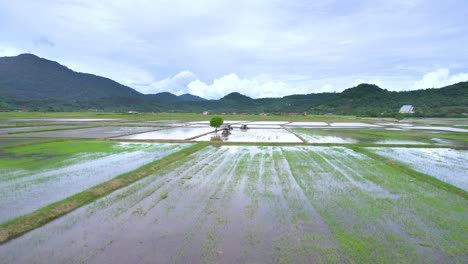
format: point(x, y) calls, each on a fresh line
point(34, 176)
point(299, 193)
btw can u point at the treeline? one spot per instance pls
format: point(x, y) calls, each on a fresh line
point(363, 100)
point(30, 83)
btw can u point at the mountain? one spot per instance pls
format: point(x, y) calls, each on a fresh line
point(29, 81)
point(163, 98)
point(37, 84)
point(28, 77)
point(190, 97)
point(370, 100)
point(235, 96)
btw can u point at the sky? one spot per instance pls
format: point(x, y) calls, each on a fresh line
point(259, 48)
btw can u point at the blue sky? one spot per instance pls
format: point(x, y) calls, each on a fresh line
point(256, 47)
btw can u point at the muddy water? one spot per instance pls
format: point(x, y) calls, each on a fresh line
point(218, 208)
point(25, 191)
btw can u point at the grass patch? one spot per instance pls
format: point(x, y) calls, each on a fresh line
point(163, 196)
point(28, 222)
point(216, 139)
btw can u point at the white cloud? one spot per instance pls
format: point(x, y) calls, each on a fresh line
point(439, 78)
point(232, 83)
point(176, 84)
point(261, 86)
point(327, 88)
point(6, 51)
point(376, 82)
point(326, 41)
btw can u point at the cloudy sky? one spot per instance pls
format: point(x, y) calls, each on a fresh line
point(257, 47)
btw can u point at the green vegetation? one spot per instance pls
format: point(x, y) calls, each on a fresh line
point(216, 139)
point(370, 100)
point(163, 196)
point(216, 122)
point(28, 82)
point(171, 116)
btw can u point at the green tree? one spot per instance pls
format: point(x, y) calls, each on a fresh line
point(216, 122)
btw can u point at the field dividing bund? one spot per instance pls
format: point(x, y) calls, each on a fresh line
point(248, 204)
point(30, 221)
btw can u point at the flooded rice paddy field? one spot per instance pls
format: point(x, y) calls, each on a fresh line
point(381, 136)
point(10, 130)
point(179, 133)
point(57, 120)
point(404, 132)
point(14, 141)
point(250, 204)
point(240, 204)
point(95, 132)
point(448, 165)
point(34, 176)
point(256, 135)
point(439, 121)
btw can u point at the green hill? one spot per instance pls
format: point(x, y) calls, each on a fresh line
point(37, 84)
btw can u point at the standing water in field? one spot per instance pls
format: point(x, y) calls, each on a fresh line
point(448, 165)
point(249, 204)
point(28, 183)
point(257, 135)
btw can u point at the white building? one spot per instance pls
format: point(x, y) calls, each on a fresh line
point(407, 109)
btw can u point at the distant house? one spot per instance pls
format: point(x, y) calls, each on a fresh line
point(407, 109)
point(206, 113)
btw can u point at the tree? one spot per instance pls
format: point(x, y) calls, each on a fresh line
point(216, 122)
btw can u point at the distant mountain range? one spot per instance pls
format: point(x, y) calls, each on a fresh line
point(37, 84)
